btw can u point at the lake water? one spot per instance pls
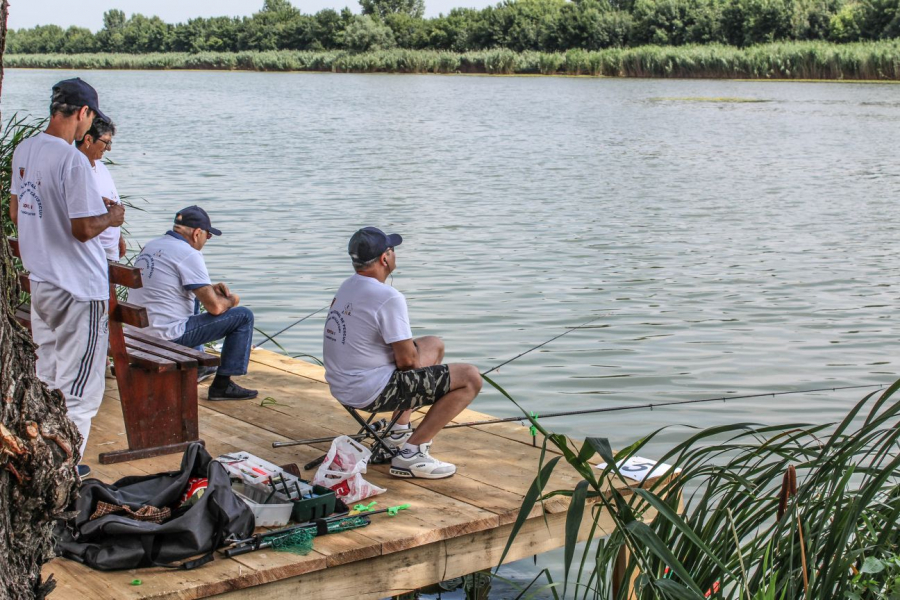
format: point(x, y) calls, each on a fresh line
point(726, 247)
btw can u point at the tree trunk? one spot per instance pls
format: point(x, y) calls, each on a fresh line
point(38, 443)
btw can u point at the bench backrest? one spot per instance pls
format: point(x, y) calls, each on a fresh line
point(119, 274)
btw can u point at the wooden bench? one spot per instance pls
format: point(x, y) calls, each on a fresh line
point(157, 378)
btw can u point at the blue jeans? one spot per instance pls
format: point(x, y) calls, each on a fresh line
point(235, 325)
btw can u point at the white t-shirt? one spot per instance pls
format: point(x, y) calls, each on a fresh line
point(110, 236)
point(365, 318)
point(170, 269)
point(54, 183)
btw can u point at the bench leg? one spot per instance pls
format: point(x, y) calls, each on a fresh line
point(160, 412)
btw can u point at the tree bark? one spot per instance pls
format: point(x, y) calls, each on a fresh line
point(38, 442)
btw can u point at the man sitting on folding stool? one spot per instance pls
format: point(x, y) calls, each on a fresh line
point(373, 364)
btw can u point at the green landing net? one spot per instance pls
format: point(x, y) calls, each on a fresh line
point(301, 541)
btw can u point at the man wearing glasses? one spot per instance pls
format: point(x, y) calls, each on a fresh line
point(175, 281)
point(373, 364)
point(95, 142)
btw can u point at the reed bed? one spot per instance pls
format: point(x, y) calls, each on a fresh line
point(788, 60)
point(770, 512)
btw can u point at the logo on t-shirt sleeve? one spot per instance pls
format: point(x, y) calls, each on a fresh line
point(335, 327)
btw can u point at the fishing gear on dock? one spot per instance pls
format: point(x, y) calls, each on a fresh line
point(297, 322)
point(298, 538)
point(591, 411)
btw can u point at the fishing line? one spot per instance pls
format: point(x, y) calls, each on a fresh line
point(272, 337)
point(591, 411)
point(567, 332)
point(652, 405)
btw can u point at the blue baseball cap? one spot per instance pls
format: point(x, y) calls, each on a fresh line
point(196, 217)
point(371, 242)
point(77, 92)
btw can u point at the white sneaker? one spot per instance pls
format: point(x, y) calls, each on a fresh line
point(420, 464)
point(396, 438)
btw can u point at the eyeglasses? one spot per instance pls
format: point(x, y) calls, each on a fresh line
point(107, 143)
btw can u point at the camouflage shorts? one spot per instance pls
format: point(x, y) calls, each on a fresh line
point(408, 390)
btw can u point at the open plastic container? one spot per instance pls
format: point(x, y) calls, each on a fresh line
point(274, 513)
point(251, 476)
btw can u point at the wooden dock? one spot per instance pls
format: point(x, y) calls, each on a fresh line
point(455, 526)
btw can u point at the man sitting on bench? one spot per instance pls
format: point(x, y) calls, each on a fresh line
point(373, 364)
point(175, 279)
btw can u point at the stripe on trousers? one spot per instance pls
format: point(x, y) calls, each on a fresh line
point(87, 360)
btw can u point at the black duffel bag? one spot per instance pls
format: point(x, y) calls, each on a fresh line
point(113, 541)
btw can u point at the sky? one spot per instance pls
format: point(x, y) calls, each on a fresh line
point(89, 13)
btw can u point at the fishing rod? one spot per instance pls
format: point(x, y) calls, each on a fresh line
point(592, 411)
point(567, 332)
point(297, 322)
point(358, 517)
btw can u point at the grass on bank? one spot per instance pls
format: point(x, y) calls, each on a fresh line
point(788, 60)
point(771, 512)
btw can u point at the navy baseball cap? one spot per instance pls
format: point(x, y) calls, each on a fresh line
point(194, 216)
point(77, 92)
point(371, 242)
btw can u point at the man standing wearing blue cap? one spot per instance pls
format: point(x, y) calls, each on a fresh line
point(60, 213)
point(175, 279)
point(372, 362)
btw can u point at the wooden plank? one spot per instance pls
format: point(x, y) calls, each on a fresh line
point(79, 581)
point(183, 361)
point(24, 281)
point(130, 314)
point(124, 275)
point(288, 364)
point(204, 358)
point(151, 363)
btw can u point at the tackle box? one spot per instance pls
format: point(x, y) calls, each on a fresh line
point(308, 502)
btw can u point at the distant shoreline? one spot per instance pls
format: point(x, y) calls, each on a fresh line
point(867, 61)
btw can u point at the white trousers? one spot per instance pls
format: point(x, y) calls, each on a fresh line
point(72, 339)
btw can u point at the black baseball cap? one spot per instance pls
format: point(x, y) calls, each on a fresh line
point(77, 92)
point(371, 242)
point(194, 216)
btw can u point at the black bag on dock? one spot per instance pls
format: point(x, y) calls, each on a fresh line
point(113, 541)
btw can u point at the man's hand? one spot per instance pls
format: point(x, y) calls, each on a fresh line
point(87, 228)
point(122, 247)
point(222, 290)
point(116, 214)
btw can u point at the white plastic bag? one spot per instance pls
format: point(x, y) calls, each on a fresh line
point(343, 468)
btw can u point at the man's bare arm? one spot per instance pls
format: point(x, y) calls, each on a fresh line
point(406, 355)
point(14, 209)
point(214, 302)
point(87, 228)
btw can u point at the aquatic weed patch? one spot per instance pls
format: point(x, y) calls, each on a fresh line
point(864, 61)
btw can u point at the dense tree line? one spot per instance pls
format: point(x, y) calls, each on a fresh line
point(519, 25)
